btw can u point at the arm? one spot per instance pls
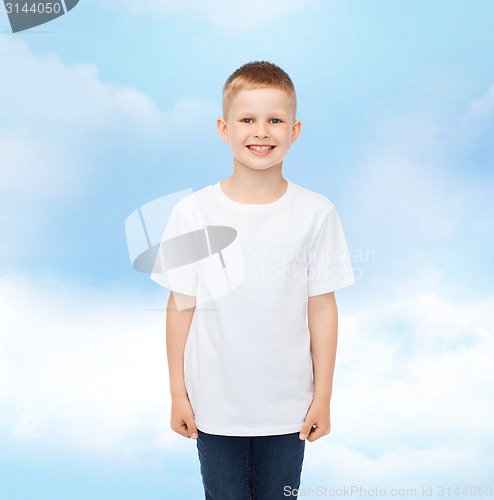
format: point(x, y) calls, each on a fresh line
point(177, 331)
point(322, 315)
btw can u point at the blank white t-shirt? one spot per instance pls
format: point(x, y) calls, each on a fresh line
point(247, 360)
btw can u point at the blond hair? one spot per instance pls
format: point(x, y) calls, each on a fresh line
point(257, 75)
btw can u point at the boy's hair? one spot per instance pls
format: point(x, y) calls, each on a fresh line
point(258, 75)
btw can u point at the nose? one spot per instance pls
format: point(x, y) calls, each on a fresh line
point(261, 130)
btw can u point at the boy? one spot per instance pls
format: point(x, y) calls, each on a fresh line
point(251, 372)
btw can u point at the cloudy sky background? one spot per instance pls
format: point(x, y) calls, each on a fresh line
point(113, 105)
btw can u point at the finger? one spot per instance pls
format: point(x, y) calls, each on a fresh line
point(192, 429)
point(317, 432)
point(182, 430)
point(306, 429)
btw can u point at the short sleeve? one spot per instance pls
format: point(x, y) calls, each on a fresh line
point(178, 254)
point(329, 261)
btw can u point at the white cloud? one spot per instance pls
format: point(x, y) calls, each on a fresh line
point(235, 17)
point(54, 116)
point(412, 402)
point(415, 372)
point(83, 368)
point(50, 115)
point(57, 121)
point(337, 466)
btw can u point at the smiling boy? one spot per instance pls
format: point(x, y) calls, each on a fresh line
point(251, 375)
point(260, 126)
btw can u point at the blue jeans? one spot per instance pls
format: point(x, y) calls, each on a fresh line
point(250, 468)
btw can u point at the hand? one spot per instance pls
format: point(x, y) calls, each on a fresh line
point(317, 421)
point(182, 418)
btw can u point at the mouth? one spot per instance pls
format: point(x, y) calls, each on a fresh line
point(260, 148)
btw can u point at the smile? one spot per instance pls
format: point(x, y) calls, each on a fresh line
point(261, 148)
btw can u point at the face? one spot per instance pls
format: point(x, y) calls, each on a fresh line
point(260, 127)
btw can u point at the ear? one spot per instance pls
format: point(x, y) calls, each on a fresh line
point(296, 127)
point(222, 129)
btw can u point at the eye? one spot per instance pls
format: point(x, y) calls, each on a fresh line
point(246, 120)
point(276, 120)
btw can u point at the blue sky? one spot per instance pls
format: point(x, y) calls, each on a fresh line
point(114, 105)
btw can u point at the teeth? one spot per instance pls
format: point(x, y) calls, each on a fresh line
point(261, 148)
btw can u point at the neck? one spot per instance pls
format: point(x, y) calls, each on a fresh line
point(255, 185)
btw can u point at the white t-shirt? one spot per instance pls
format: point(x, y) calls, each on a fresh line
point(247, 360)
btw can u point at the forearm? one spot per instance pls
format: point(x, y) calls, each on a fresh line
point(177, 330)
point(323, 326)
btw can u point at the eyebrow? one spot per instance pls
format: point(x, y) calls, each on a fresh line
point(275, 113)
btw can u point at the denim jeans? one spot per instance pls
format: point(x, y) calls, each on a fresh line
point(250, 468)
